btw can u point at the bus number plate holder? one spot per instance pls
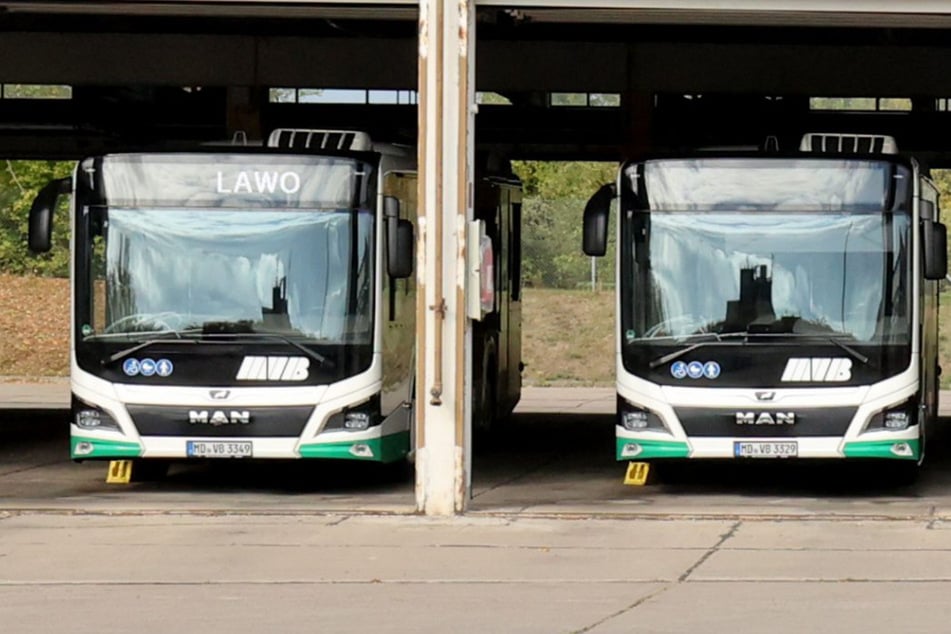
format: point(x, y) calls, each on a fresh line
point(218, 449)
point(766, 449)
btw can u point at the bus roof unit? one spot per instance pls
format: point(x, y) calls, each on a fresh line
point(837, 143)
point(306, 139)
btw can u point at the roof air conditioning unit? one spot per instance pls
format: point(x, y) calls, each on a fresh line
point(837, 143)
point(305, 139)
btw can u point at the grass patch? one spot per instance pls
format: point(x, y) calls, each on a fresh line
point(568, 337)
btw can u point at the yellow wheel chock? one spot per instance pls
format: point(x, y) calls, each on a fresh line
point(120, 472)
point(637, 473)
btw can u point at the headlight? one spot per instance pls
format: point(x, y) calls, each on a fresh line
point(90, 417)
point(895, 418)
point(357, 420)
point(634, 418)
point(356, 417)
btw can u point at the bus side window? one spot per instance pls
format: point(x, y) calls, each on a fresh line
point(515, 251)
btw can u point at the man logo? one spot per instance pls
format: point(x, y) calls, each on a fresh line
point(765, 418)
point(824, 370)
point(273, 369)
point(218, 417)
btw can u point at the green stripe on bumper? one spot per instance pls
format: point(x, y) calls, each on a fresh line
point(384, 449)
point(882, 449)
point(653, 449)
point(103, 448)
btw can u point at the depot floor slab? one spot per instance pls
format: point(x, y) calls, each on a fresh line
point(555, 458)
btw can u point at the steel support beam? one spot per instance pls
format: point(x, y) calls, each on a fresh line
point(446, 38)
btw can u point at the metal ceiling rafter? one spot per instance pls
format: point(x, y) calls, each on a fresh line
point(338, 9)
point(823, 13)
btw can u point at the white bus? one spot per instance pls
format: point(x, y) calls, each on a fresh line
point(775, 306)
point(241, 302)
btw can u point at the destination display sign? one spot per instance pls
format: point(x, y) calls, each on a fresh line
point(229, 180)
point(809, 184)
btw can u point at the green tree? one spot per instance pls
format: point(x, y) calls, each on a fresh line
point(19, 183)
point(554, 198)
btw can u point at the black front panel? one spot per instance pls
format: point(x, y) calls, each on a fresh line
point(764, 364)
point(219, 420)
point(765, 422)
point(183, 362)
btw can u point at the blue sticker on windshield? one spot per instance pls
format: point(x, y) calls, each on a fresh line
point(130, 367)
point(711, 369)
point(164, 367)
point(147, 367)
point(678, 370)
point(695, 369)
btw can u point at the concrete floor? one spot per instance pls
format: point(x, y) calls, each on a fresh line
point(553, 542)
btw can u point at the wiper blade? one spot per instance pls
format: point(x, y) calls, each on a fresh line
point(676, 354)
point(855, 354)
point(316, 356)
point(833, 338)
point(719, 337)
point(122, 354)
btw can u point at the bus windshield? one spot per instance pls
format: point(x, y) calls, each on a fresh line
point(829, 274)
point(300, 273)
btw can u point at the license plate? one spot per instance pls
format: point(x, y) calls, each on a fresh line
point(218, 449)
point(766, 449)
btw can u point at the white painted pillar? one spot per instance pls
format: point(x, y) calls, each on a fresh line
point(446, 125)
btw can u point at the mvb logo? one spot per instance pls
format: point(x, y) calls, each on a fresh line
point(273, 369)
point(826, 370)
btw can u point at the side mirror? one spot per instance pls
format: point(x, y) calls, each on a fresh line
point(41, 214)
point(934, 240)
point(399, 240)
point(595, 229)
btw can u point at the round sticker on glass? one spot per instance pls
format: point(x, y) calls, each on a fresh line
point(711, 369)
point(130, 367)
point(164, 367)
point(147, 367)
point(678, 370)
point(695, 369)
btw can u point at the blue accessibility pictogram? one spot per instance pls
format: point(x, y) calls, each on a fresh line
point(678, 370)
point(164, 367)
point(147, 367)
point(695, 369)
point(130, 367)
point(711, 369)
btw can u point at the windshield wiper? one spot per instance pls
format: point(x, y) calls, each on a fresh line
point(220, 330)
point(212, 330)
point(714, 336)
point(718, 337)
point(167, 337)
point(837, 340)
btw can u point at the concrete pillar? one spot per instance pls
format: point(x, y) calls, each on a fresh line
point(446, 122)
point(244, 111)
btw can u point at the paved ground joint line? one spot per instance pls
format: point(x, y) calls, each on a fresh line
point(29, 468)
point(681, 579)
point(933, 514)
point(644, 599)
point(538, 467)
point(723, 539)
